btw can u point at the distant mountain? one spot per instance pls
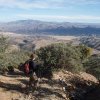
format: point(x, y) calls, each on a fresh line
point(56, 28)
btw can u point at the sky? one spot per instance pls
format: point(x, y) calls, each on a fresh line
point(85, 11)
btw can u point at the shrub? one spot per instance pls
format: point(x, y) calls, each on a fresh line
point(92, 66)
point(60, 56)
point(10, 59)
point(85, 52)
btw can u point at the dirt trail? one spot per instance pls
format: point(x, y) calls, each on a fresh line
point(13, 87)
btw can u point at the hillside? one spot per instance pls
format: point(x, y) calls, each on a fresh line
point(31, 42)
point(61, 87)
point(61, 69)
point(50, 28)
point(91, 41)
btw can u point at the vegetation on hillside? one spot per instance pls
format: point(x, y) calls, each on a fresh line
point(13, 58)
point(53, 57)
point(64, 56)
point(92, 66)
point(91, 41)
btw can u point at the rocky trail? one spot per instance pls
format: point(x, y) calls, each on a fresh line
point(63, 86)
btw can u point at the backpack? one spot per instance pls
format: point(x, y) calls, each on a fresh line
point(26, 67)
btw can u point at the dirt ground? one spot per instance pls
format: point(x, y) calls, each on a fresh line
point(14, 87)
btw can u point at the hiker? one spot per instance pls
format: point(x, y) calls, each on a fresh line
point(32, 73)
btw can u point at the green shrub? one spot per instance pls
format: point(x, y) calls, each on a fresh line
point(61, 56)
point(85, 52)
point(12, 59)
point(92, 66)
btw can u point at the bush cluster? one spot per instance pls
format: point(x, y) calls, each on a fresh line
point(53, 57)
point(63, 56)
point(10, 59)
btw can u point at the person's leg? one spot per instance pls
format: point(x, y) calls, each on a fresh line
point(30, 78)
point(35, 80)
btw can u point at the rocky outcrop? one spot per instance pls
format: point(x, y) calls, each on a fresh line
point(76, 87)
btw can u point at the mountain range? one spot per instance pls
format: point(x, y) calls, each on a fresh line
point(50, 28)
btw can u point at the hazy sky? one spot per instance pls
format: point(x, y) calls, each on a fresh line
point(51, 10)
